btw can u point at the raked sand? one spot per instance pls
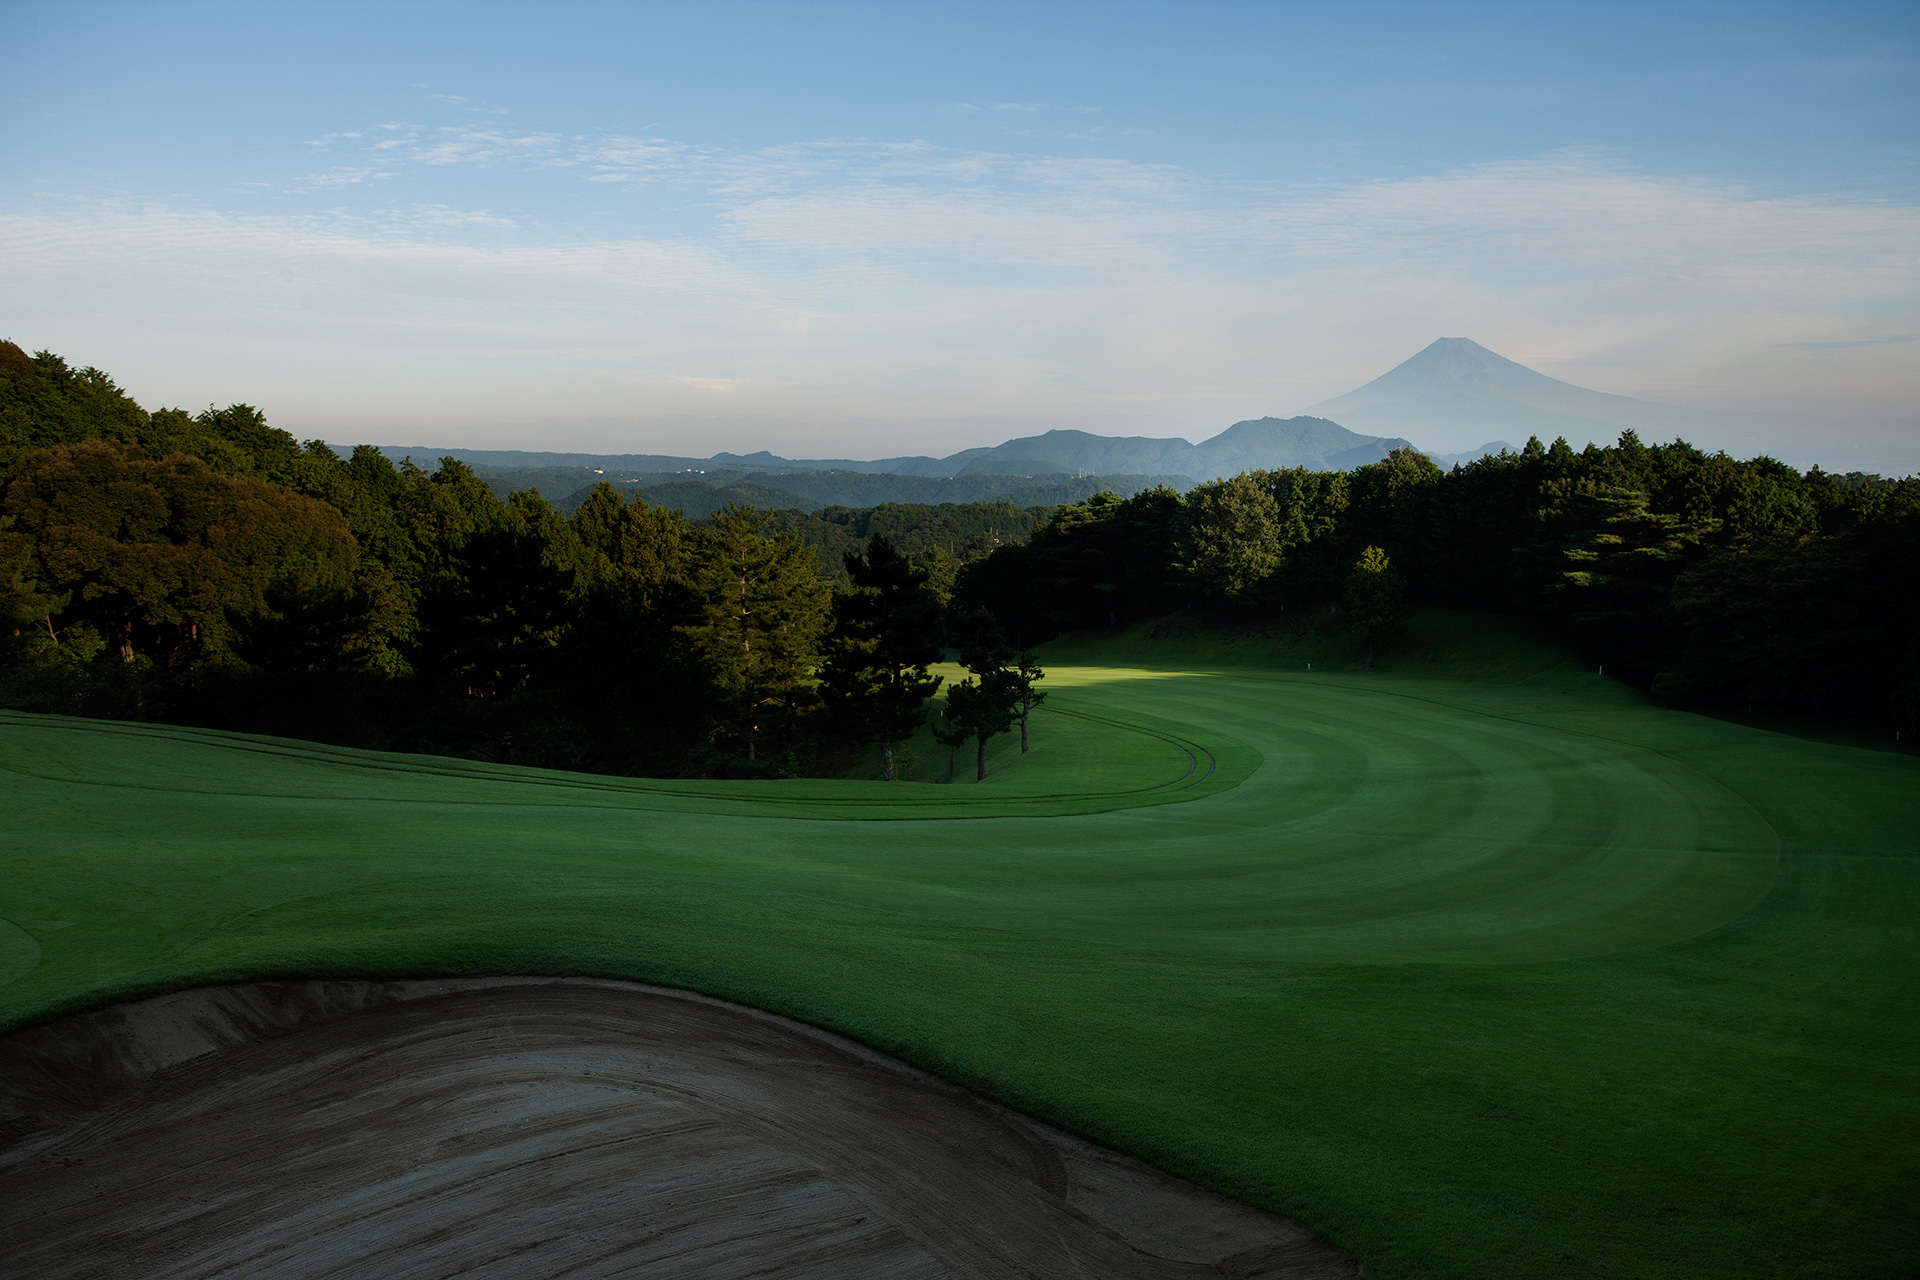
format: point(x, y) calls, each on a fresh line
point(548, 1127)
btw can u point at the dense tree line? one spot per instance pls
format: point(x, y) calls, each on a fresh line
point(959, 531)
point(1708, 580)
point(207, 568)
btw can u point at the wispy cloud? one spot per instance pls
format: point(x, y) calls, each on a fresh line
point(341, 176)
point(439, 145)
point(483, 146)
point(894, 277)
point(441, 216)
point(1850, 342)
point(1027, 108)
point(613, 157)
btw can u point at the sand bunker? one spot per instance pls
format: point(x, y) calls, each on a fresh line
point(541, 1127)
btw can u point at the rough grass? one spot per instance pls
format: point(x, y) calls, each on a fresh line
point(1501, 976)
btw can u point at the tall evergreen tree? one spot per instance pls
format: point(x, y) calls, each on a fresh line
point(639, 549)
point(487, 622)
point(1023, 674)
point(980, 707)
point(761, 613)
point(875, 677)
point(988, 702)
point(949, 732)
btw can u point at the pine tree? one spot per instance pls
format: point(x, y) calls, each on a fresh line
point(1023, 675)
point(980, 709)
point(875, 677)
point(949, 732)
point(761, 614)
point(988, 702)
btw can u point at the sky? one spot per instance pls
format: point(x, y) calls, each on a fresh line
point(866, 230)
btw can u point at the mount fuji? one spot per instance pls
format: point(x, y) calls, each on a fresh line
point(1456, 387)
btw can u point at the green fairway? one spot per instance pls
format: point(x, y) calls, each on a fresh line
point(1504, 975)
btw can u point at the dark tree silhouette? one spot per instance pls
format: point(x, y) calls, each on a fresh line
point(875, 678)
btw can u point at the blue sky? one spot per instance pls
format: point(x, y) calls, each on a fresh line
point(916, 228)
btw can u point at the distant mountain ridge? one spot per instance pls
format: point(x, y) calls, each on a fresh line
point(789, 492)
point(1260, 442)
point(1453, 387)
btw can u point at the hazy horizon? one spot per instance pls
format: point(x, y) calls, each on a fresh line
point(693, 436)
point(864, 231)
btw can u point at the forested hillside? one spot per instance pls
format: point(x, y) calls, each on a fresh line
point(701, 493)
point(1708, 581)
point(704, 494)
point(207, 568)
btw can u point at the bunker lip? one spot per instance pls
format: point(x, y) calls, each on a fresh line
point(540, 1126)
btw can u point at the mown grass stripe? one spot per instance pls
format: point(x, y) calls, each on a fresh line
point(1512, 979)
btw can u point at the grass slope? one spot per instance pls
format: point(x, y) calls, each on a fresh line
point(1503, 976)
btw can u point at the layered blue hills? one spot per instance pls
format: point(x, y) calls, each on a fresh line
point(1453, 388)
